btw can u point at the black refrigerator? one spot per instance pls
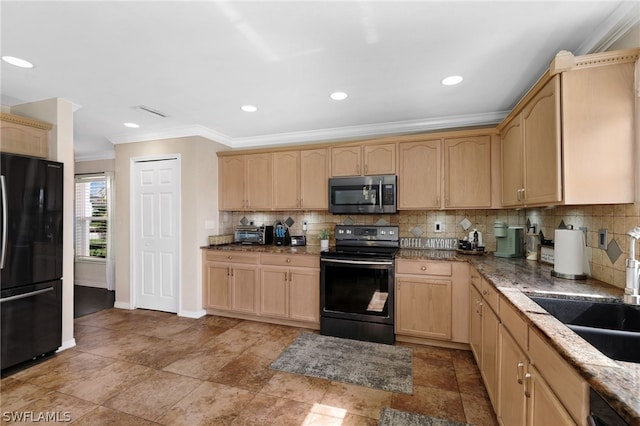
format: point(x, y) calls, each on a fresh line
point(30, 258)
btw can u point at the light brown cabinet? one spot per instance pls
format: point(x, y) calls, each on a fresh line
point(231, 281)
point(419, 179)
point(467, 166)
point(368, 160)
point(246, 182)
point(24, 136)
point(431, 300)
point(289, 288)
point(300, 179)
point(570, 140)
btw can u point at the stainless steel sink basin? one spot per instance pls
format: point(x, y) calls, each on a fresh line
point(612, 328)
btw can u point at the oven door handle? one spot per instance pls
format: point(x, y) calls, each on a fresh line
point(358, 262)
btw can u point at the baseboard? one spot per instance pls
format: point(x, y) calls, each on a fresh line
point(433, 342)
point(192, 314)
point(122, 305)
point(93, 284)
point(67, 345)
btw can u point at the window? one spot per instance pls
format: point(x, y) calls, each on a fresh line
point(92, 216)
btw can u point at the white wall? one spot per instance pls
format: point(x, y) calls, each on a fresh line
point(199, 180)
point(59, 112)
point(87, 272)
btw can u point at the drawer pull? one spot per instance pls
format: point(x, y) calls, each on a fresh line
point(423, 268)
point(229, 257)
point(527, 385)
point(288, 260)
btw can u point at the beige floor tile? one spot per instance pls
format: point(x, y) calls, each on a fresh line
point(123, 346)
point(210, 403)
point(246, 371)
point(430, 401)
point(203, 364)
point(434, 372)
point(107, 416)
point(235, 340)
point(268, 410)
point(197, 334)
point(64, 408)
point(296, 387)
point(153, 396)
point(269, 348)
point(15, 394)
point(217, 321)
point(161, 353)
point(359, 400)
point(107, 382)
point(322, 415)
point(478, 410)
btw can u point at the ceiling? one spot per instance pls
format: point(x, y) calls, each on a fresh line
point(199, 62)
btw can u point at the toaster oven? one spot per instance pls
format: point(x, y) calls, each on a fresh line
point(250, 234)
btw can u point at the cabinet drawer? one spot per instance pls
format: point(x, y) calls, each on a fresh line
point(302, 260)
point(568, 386)
point(490, 294)
point(233, 256)
point(423, 267)
point(511, 320)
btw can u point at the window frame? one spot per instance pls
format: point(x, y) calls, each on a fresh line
point(106, 218)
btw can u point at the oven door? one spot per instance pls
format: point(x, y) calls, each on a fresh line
point(357, 289)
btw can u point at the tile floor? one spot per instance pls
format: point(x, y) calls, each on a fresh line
point(145, 367)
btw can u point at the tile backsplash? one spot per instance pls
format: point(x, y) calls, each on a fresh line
point(617, 219)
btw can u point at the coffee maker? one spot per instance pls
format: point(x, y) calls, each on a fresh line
point(509, 240)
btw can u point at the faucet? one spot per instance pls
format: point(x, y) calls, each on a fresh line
point(632, 290)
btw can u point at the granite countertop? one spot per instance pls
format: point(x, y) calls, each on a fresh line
point(516, 279)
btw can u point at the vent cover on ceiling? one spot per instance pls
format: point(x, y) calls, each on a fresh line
point(151, 111)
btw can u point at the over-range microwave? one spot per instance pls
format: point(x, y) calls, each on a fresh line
point(363, 194)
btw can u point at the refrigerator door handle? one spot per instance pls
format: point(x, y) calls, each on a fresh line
point(25, 295)
point(3, 187)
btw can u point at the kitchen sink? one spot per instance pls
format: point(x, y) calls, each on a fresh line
point(612, 328)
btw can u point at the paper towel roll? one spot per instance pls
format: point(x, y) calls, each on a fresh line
point(570, 255)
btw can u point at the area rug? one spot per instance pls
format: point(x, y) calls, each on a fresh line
point(392, 417)
point(367, 364)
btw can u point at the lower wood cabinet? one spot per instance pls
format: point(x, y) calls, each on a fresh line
point(263, 286)
point(431, 297)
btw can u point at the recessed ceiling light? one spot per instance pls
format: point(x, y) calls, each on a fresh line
point(248, 108)
point(338, 96)
point(18, 62)
point(132, 125)
point(452, 80)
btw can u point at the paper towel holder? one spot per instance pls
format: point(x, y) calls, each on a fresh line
point(572, 274)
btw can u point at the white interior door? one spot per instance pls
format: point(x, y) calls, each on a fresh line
point(156, 233)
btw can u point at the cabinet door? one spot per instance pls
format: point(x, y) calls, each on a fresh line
point(512, 404)
point(232, 183)
point(304, 295)
point(259, 184)
point(419, 182)
point(544, 407)
point(346, 161)
point(424, 307)
point(244, 288)
point(490, 351)
point(286, 180)
point(274, 292)
point(379, 159)
point(314, 179)
point(542, 167)
point(475, 326)
point(217, 285)
point(467, 167)
point(24, 140)
point(512, 174)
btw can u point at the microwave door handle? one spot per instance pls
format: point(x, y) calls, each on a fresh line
point(380, 193)
point(3, 191)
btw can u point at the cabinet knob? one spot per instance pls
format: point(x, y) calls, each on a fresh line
point(423, 268)
point(288, 260)
point(485, 292)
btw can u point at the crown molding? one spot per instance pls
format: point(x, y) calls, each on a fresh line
point(611, 29)
point(322, 135)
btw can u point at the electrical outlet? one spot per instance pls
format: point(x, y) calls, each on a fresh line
point(438, 227)
point(602, 239)
point(304, 226)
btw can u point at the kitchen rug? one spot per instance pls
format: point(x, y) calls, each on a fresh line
point(392, 417)
point(368, 364)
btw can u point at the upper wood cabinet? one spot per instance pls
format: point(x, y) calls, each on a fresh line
point(300, 179)
point(368, 160)
point(570, 140)
point(419, 179)
point(245, 182)
point(24, 136)
point(467, 166)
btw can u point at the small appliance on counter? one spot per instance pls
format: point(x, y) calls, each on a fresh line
point(570, 255)
point(509, 240)
point(546, 250)
point(251, 234)
point(298, 240)
point(281, 235)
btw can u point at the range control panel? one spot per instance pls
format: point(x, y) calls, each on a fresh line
point(367, 233)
